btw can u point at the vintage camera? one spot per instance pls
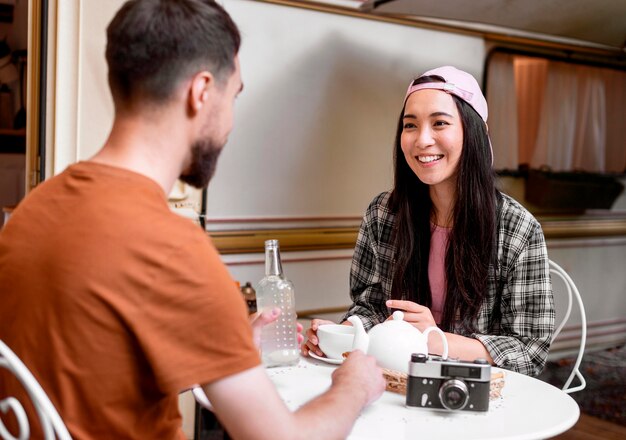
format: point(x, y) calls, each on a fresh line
point(448, 384)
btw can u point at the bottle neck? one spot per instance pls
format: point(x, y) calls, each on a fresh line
point(273, 265)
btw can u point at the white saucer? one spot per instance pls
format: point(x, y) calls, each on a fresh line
point(325, 359)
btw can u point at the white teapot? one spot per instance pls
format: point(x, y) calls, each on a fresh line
point(392, 342)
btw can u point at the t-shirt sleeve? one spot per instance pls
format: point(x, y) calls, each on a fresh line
point(193, 326)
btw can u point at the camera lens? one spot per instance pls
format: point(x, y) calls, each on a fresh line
point(453, 394)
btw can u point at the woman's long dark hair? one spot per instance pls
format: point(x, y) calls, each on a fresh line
point(471, 245)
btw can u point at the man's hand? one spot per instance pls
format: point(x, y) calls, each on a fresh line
point(360, 373)
point(259, 319)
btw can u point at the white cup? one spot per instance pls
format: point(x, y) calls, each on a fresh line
point(335, 339)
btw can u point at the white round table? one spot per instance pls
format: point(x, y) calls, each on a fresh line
point(528, 409)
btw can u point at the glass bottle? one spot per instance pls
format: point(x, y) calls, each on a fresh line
point(279, 340)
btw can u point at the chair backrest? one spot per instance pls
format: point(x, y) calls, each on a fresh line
point(201, 398)
point(572, 293)
point(51, 423)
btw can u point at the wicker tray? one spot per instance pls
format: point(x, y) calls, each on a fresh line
point(396, 383)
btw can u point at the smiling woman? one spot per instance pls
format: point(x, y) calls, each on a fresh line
point(444, 245)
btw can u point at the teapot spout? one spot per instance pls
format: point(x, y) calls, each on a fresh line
point(361, 338)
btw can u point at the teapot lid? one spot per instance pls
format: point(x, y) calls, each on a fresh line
point(398, 315)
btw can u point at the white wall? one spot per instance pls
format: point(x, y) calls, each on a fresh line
point(316, 121)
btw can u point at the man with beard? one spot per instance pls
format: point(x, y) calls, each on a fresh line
point(115, 303)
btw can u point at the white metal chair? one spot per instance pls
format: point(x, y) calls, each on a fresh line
point(201, 398)
point(572, 291)
point(51, 423)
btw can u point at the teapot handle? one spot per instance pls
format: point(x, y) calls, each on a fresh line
point(444, 355)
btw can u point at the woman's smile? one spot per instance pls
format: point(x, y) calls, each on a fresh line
point(430, 158)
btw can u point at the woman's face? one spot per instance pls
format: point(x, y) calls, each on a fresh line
point(432, 136)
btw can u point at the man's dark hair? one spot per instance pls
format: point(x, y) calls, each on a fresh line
point(152, 45)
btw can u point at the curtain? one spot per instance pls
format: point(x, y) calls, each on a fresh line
point(555, 114)
point(502, 103)
point(615, 81)
point(554, 146)
point(590, 137)
point(530, 82)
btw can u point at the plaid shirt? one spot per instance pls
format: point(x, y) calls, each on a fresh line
point(520, 339)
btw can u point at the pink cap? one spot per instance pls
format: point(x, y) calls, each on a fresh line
point(458, 83)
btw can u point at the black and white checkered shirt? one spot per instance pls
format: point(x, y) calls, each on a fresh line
point(520, 339)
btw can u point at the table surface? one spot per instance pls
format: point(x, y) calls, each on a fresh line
point(528, 409)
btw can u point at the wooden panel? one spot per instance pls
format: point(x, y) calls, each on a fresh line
point(584, 228)
point(234, 242)
point(247, 241)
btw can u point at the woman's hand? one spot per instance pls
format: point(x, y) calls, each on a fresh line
point(421, 317)
point(415, 314)
point(312, 341)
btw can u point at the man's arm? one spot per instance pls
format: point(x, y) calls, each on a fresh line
point(249, 406)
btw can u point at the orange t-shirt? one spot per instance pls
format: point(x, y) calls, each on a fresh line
point(116, 304)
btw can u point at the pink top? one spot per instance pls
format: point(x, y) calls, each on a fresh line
point(437, 269)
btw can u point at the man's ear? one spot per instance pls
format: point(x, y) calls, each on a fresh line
point(200, 88)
